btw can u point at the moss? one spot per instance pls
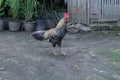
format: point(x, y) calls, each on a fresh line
point(109, 27)
point(115, 27)
point(113, 31)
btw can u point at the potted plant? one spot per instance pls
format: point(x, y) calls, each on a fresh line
point(14, 24)
point(1, 14)
point(29, 11)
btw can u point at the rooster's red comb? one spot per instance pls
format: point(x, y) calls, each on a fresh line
point(66, 14)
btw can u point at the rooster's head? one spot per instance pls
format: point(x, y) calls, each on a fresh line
point(66, 17)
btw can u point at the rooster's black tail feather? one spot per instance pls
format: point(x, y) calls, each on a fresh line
point(38, 35)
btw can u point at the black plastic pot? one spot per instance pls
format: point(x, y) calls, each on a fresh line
point(29, 26)
point(2, 25)
point(7, 23)
point(40, 24)
point(44, 24)
point(50, 23)
point(14, 25)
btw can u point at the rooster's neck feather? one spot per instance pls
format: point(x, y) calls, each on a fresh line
point(53, 31)
point(60, 24)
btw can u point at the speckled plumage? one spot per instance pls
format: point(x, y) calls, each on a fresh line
point(54, 35)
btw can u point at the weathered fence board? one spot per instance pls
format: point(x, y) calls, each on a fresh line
point(95, 9)
point(84, 11)
point(77, 10)
point(110, 9)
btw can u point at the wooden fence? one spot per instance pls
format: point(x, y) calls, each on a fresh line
point(84, 11)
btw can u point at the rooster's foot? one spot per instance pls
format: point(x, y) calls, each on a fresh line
point(55, 54)
point(64, 54)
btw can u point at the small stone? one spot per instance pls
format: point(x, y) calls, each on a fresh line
point(2, 68)
point(118, 33)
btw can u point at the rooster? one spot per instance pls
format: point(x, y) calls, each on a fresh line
point(54, 35)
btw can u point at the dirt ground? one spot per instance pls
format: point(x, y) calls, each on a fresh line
point(23, 58)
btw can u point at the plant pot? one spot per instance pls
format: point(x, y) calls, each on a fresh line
point(7, 23)
point(40, 24)
point(14, 25)
point(29, 26)
point(2, 25)
point(50, 23)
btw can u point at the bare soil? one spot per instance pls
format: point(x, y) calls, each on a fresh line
point(23, 58)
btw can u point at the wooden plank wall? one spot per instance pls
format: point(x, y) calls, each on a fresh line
point(84, 10)
point(111, 9)
point(77, 10)
point(94, 9)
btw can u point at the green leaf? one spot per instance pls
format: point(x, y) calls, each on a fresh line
point(1, 1)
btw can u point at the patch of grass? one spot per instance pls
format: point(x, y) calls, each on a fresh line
point(115, 55)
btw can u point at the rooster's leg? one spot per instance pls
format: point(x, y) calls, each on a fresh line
point(54, 53)
point(61, 50)
point(55, 50)
point(58, 51)
point(63, 53)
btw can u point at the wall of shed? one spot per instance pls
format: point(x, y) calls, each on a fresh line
point(83, 11)
point(77, 10)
